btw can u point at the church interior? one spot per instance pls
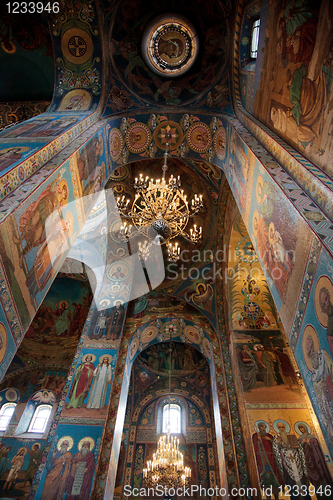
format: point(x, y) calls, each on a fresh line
point(166, 246)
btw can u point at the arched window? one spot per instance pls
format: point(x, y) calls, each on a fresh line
point(40, 418)
point(171, 414)
point(254, 39)
point(6, 413)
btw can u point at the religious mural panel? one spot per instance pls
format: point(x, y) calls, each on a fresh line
point(71, 463)
point(49, 125)
point(90, 167)
point(90, 390)
point(266, 370)
point(106, 324)
point(35, 239)
point(19, 460)
point(295, 90)
point(314, 352)
point(239, 166)
point(11, 154)
point(56, 328)
point(251, 304)
point(282, 248)
point(184, 358)
point(288, 449)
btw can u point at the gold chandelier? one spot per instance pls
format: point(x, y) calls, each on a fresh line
point(167, 467)
point(160, 212)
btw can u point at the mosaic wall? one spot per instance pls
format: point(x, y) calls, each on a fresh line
point(277, 406)
point(302, 62)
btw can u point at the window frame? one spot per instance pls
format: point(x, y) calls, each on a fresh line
point(2, 411)
point(35, 416)
point(254, 36)
point(165, 410)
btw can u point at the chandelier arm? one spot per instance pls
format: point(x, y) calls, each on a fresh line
point(168, 202)
point(193, 213)
point(182, 210)
point(125, 215)
point(136, 216)
point(188, 237)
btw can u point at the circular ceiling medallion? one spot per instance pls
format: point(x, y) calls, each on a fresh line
point(192, 334)
point(138, 137)
point(116, 143)
point(170, 45)
point(161, 135)
point(199, 137)
point(118, 271)
point(149, 334)
point(121, 172)
point(77, 46)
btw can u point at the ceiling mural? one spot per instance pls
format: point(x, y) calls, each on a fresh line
point(134, 78)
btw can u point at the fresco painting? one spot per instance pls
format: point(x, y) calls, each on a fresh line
point(18, 464)
point(279, 430)
point(11, 154)
point(28, 56)
point(29, 381)
point(47, 126)
point(276, 404)
point(281, 248)
point(313, 349)
point(106, 325)
point(295, 91)
point(35, 239)
point(266, 368)
point(71, 463)
point(90, 163)
point(90, 390)
point(76, 100)
point(251, 304)
point(58, 324)
point(239, 166)
point(200, 290)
